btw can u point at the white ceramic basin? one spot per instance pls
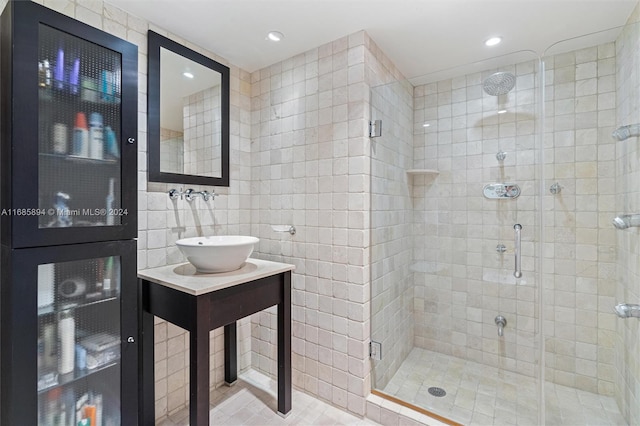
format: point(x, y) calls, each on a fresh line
point(221, 253)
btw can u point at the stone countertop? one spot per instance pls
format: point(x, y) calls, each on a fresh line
point(183, 277)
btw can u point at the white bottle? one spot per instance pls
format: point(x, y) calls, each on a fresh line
point(67, 343)
point(96, 136)
point(109, 203)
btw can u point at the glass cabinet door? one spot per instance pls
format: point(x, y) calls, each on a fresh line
point(73, 129)
point(79, 91)
point(79, 342)
point(69, 332)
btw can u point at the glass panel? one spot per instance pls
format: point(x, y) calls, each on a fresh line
point(591, 261)
point(79, 342)
point(458, 331)
point(79, 132)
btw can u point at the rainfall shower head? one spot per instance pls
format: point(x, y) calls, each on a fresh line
point(499, 83)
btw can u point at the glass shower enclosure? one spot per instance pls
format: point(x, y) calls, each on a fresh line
point(495, 265)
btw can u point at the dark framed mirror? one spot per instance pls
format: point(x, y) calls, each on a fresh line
point(188, 115)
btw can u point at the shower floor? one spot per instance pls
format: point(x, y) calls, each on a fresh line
point(477, 394)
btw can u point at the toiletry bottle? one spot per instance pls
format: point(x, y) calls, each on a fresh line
point(81, 136)
point(49, 342)
point(96, 136)
point(74, 77)
point(112, 148)
point(109, 203)
point(60, 138)
point(63, 214)
point(108, 275)
point(58, 73)
point(42, 79)
point(67, 342)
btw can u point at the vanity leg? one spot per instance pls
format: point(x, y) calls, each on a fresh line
point(284, 347)
point(199, 366)
point(230, 354)
point(146, 365)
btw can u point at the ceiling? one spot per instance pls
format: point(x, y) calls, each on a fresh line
point(419, 36)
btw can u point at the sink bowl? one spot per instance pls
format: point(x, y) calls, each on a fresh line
point(221, 253)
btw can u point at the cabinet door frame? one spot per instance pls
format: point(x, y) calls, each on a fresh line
point(19, 317)
point(19, 169)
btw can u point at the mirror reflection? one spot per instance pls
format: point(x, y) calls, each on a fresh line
point(190, 117)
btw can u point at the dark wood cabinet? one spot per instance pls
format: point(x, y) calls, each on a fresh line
point(69, 129)
point(68, 216)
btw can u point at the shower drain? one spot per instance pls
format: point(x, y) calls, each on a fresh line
point(435, 391)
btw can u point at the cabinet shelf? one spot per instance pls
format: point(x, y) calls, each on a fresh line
point(83, 96)
point(65, 379)
point(425, 172)
point(51, 309)
point(78, 160)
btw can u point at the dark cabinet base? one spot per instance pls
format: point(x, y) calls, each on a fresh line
point(201, 314)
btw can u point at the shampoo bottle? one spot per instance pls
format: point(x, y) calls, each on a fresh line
point(67, 342)
point(96, 136)
point(81, 136)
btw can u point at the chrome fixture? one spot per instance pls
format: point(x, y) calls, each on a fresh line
point(555, 188)
point(518, 268)
point(501, 248)
point(500, 156)
point(375, 128)
point(625, 310)
point(626, 221)
point(496, 191)
point(174, 194)
point(499, 83)
point(501, 322)
point(191, 195)
point(284, 228)
point(625, 132)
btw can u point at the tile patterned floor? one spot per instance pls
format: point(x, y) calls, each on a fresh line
point(483, 395)
point(252, 401)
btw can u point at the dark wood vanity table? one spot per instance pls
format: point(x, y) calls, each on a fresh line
point(200, 303)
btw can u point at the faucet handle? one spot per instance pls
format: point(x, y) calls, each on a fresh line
point(174, 194)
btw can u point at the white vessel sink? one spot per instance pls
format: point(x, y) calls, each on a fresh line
point(221, 253)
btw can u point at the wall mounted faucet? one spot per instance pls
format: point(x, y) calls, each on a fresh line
point(191, 194)
point(501, 322)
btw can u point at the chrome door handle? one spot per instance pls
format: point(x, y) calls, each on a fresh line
point(518, 272)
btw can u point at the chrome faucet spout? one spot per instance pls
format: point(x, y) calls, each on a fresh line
point(191, 195)
point(501, 322)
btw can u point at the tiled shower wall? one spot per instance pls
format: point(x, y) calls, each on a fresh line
point(627, 165)
point(580, 253)
point(160, 221)
point(461, 282)
point(171, 151)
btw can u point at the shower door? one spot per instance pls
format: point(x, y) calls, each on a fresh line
point(455, 182)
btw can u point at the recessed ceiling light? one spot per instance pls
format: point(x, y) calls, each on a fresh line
point(493, 41)
point(187, 74)
point(426, 125)
point(502, 111)
point(275, 36)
